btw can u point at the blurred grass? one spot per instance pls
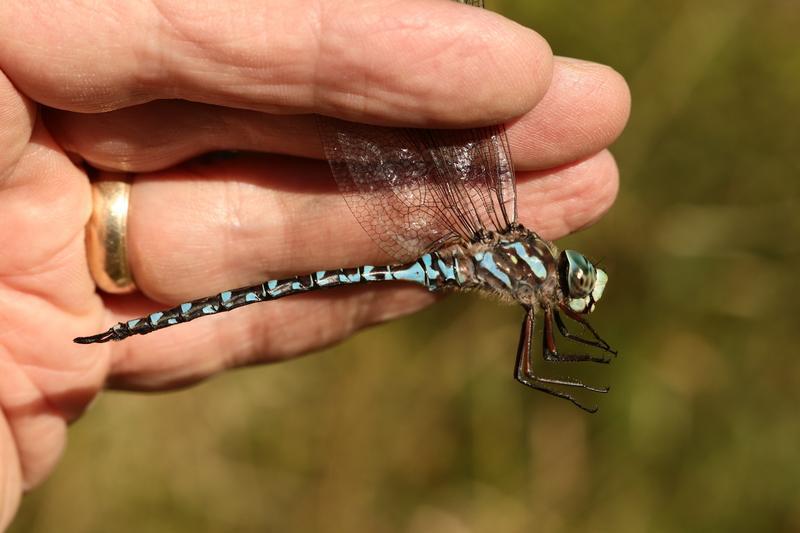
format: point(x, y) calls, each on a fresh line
point(417, 426)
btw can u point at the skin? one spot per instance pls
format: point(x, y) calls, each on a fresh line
point(140, 87)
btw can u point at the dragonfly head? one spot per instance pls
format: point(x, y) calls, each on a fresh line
point(581, 283)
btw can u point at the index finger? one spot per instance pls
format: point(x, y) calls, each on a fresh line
point(417, 63)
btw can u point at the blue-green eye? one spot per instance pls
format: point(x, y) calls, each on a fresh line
point(576, 274)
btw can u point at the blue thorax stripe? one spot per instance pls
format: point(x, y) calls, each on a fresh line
point(534, 263)
point(486, 260)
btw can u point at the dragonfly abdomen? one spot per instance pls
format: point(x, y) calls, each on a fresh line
point(433, 270)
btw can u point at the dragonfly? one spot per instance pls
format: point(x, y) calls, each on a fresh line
point(442, 203)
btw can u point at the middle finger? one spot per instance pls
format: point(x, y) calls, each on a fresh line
point(583, 111)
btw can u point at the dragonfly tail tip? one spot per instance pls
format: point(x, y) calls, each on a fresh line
point(94, 339)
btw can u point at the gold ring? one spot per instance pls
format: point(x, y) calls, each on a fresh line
point(106, 237)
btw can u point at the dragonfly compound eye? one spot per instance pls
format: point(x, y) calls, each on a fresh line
point(577, 276)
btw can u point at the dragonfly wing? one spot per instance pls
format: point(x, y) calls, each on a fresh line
point(413, 188)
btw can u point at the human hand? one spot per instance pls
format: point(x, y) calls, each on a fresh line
point(141, 87)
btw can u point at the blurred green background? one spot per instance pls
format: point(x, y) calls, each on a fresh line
point(418, 426)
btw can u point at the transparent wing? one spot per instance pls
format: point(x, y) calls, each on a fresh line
point(476, 3)
point(414, 189)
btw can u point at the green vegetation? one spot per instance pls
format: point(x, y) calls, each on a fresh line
point(394, 431)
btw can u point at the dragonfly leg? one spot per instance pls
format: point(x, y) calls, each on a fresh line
point(525, 375)
point(599, 342)
point(550, 351)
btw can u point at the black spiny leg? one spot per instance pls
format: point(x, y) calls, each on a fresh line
point(599, 342)
point(524, 368)
point(550, 351)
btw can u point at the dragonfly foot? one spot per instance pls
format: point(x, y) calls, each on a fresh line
point(555, 357)
point(532, 383)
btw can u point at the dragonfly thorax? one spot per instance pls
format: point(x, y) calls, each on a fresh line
point(517, 265)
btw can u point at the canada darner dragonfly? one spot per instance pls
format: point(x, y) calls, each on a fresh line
point(443, 203)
